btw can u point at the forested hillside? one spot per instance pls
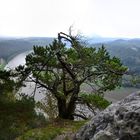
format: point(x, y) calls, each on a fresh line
point(127, 50)
point(10, 47)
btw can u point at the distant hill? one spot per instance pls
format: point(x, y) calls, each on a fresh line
point(95, 39)
point(127, 50)
point(10, 47)
point(41, 41)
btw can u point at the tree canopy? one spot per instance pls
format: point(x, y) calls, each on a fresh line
point(62, 69)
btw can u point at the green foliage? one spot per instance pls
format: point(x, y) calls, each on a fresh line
point(6, 84)
point(61, 70)
point(94, 100)
point(2, 66)
point(6, 89)
point(127, 50)
point(17, 113)
point(18, 116)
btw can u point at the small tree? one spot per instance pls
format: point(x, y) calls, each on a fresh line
point(61, 70)
point(15, 114)
point(6, 84)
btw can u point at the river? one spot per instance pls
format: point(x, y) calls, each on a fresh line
point(29, 89)
point(17, 60)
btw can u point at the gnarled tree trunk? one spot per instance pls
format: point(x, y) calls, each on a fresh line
point(66, 109)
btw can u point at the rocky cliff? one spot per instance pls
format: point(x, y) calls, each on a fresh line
point(120, 121)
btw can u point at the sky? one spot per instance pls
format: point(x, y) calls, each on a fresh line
point(106, 18)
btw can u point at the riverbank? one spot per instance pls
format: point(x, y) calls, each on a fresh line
point(17, 60)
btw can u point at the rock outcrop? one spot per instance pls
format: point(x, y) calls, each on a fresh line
point(120, 121)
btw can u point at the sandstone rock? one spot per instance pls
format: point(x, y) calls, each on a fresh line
point(120, 121)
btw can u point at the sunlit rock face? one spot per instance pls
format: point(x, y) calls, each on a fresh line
point(120, 121)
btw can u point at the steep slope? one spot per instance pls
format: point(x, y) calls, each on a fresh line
point(10, 47)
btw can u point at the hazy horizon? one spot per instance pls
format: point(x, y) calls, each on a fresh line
point(85, 36)
point(45, 18)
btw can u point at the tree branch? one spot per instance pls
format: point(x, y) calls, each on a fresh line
point(68, 69)
point(81, 116)
point(41, 84)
